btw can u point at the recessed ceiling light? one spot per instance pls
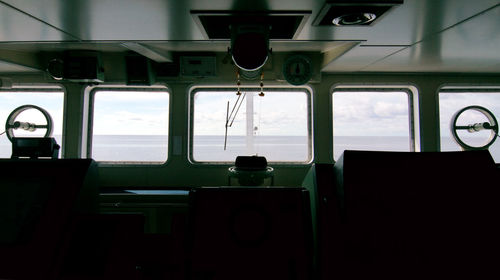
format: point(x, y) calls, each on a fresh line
point(354, 19)
point(354, 12)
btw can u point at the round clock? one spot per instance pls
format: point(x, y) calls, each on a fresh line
point(297, 70)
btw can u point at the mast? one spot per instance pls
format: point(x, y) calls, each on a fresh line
point(250, 125)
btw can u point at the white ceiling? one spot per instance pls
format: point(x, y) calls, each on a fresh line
point(417, 36)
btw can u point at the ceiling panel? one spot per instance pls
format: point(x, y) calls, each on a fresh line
point(35, 47)
point(404, 24)
point(360, 57)
point(171, 19)
point(443, 35)
point(17, 26)
point(112, 19)
point(139, 20)
point(472, 46)
point(222, 45)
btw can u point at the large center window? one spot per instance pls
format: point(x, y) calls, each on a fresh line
point(275, 124)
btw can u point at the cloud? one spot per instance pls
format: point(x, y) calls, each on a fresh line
point(130, 123)
point(390, 110)
point(370, 113)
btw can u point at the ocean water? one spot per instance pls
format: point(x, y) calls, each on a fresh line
point(153, 148)
point(274, 148)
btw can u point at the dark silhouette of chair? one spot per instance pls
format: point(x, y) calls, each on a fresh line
point(102, 246)
point(38, 199)
point(320, 182)
point(249, 233)
point(416, 215)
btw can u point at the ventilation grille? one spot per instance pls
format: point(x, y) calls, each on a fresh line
point(284, 25)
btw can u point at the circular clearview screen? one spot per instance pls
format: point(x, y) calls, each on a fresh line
point(451, 101)
point(29, 121)
point(474, 127)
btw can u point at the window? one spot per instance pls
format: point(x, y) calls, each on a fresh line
point(276, 125)
point(49, 98)
point(372, 119)
point(453, 99)
point(130, 125)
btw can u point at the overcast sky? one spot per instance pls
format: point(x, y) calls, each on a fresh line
point(131, 113)
point(370, 113)
point(277, 113)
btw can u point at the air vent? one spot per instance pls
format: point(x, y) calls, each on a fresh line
point(284, 25)
point(353, 13)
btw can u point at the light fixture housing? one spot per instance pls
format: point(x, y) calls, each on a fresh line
point(354, 19)
point(354, 13)
point(250, 48)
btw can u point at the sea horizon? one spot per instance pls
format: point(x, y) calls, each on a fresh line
point(154, 148)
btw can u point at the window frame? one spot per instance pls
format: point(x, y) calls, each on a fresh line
point(231, 88)
point(46, 88)
point(413, 107)
point(90, 125)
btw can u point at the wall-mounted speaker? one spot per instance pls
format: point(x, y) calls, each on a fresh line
point(139, 70)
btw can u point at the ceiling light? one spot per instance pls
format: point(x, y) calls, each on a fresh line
point(354, 12)
point(354, 19)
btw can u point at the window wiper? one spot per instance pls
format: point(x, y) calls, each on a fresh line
point(230, 117)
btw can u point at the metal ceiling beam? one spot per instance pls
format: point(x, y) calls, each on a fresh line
point(22, 59)
point(155, 55)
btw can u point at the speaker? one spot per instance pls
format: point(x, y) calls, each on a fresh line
point(249, 233)
point(139, 70)
point(83, 66)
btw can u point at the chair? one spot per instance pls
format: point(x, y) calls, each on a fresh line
point(38, 199)
point(249, 233)
point(102, 246)
point(320, 182)
point(417, 215)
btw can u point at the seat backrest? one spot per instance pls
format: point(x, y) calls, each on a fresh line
point(249, 233)
point(320, 182)
point(37, 200)
point(407, 215)
point(102, 246)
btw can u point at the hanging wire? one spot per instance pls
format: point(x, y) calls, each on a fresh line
point(238, 83)
point(3, 132)
point(256, 130)
point(237, 110)
point(260, 112)
point(261, 94)
point(225, 134)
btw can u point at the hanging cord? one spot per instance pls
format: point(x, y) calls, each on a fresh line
point(3, 132)
point(238, 83)
point(225, 134)
point(261, 94)
point(256, 130)
point(260, 113)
